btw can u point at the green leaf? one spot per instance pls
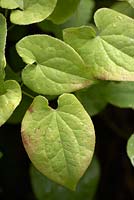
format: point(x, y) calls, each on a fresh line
point(2, 86)
point(46, 189)
point(93, 98)
point(63, 10)
point(131, 2)
point(19, 112)
point(124, 7)
point(120, 94)
point(11, 4)
point(9, 100)
point(53, 67)
point(33, 11)
point(82, 15)
point(130, 149)
point(3, 33)
point(60, 142)
point(49, 27)
point(109, 53)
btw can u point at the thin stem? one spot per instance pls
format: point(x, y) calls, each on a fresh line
point(29, 95)
point(10, 27)
point(6, 13)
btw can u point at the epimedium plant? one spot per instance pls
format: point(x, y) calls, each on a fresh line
point(87, 67)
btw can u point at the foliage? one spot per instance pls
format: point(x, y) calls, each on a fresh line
point(60, 50)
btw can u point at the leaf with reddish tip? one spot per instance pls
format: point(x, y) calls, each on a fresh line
point(60, 142)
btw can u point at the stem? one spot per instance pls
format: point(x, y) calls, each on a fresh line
point(6, 13)
point(29, 95)
point(12, 26)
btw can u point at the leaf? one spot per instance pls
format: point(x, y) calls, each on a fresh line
point(53, 67)
point(60, 143)
point(131, 2)
point(3, 33)
point(19, 112)
point(33, 11)
point(2, 86)
point(93, 98)
point(9, 100)
point(109, 52)
point(123, 7)
point(130, 149)
point(11, 4)
point(46, 189)
point(63, 10)
point(49, 27)
point(82, 15)
point(120, 94)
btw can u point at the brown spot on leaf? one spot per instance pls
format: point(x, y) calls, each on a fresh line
point(30, 109)
point(25, 139)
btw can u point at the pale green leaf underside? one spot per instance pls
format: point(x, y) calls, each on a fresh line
point(3, 33)
point(130, 148)
point(63, 10)
point(53, 67)
point(60, 142)
point(110, 52)
point(11, 4)
point(10, 100)
point(33, 11)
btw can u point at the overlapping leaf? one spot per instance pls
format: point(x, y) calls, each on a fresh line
point(11, 4)
point(124, 7)
point(131, 2)
point(120, 94)
point(82, 15)
point(30, 11)
point(130, 148)
point(46, 189)
point(53, 67)
point(60, 142)
point(63, 10)
point(109, 52)
point(9, 100)
point(93, 98)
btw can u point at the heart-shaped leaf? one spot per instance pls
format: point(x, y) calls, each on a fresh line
point(63, 10)
point(11, 4)
point(3, 33)
point(32, 11)
point(110, 52)
point(53, 66)
point(9, 100)
point(130, 148)
point(60, 142)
